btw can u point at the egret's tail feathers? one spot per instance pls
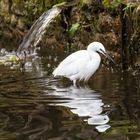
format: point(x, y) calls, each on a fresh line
point(55, 73)
point(58, 72)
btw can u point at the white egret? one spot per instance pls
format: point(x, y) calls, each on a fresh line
point(82, 64)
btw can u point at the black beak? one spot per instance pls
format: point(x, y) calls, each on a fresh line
point(107, 55)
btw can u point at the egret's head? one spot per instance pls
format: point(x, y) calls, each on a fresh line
point(96, 47)
point(99, 47)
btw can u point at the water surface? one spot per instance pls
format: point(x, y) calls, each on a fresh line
point(36, 106)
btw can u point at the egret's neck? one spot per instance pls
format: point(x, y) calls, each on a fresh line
point(91, 50)
point(94, 55)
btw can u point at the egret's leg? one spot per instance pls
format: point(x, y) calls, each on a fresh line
point(74, 83)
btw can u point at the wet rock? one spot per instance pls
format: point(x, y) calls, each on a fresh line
point(3, 52)
point(7, 64)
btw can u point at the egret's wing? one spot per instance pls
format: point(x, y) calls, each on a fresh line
point(72, 64)
point(75, 67)
point(74, 56)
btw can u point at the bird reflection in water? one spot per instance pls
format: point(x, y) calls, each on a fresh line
point(85, 103)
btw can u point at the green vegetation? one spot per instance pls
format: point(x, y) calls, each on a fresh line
point(111, 3)
point(59, 4)
point(73, 29)
point(129, 8)
point(86, 21)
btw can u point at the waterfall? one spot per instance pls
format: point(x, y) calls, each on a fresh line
point(36, 31)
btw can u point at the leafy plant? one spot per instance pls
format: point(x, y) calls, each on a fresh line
point(111, 3)
point(128, 8)
point(73, 29)
point(59, 4)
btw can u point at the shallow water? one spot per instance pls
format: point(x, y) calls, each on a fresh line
point(36, 106)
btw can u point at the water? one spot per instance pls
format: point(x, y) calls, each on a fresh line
point(38, 29)
point(35, 106)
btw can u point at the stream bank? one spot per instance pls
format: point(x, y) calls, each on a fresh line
point(114, 23)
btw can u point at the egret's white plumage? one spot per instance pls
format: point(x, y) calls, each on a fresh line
point(81, 65)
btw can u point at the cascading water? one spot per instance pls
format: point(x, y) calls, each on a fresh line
point(38, 29)
point(33, 37)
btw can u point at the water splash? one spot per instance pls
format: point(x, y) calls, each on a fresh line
point(38, 29)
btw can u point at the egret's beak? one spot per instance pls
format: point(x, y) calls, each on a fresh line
point(107, 55)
